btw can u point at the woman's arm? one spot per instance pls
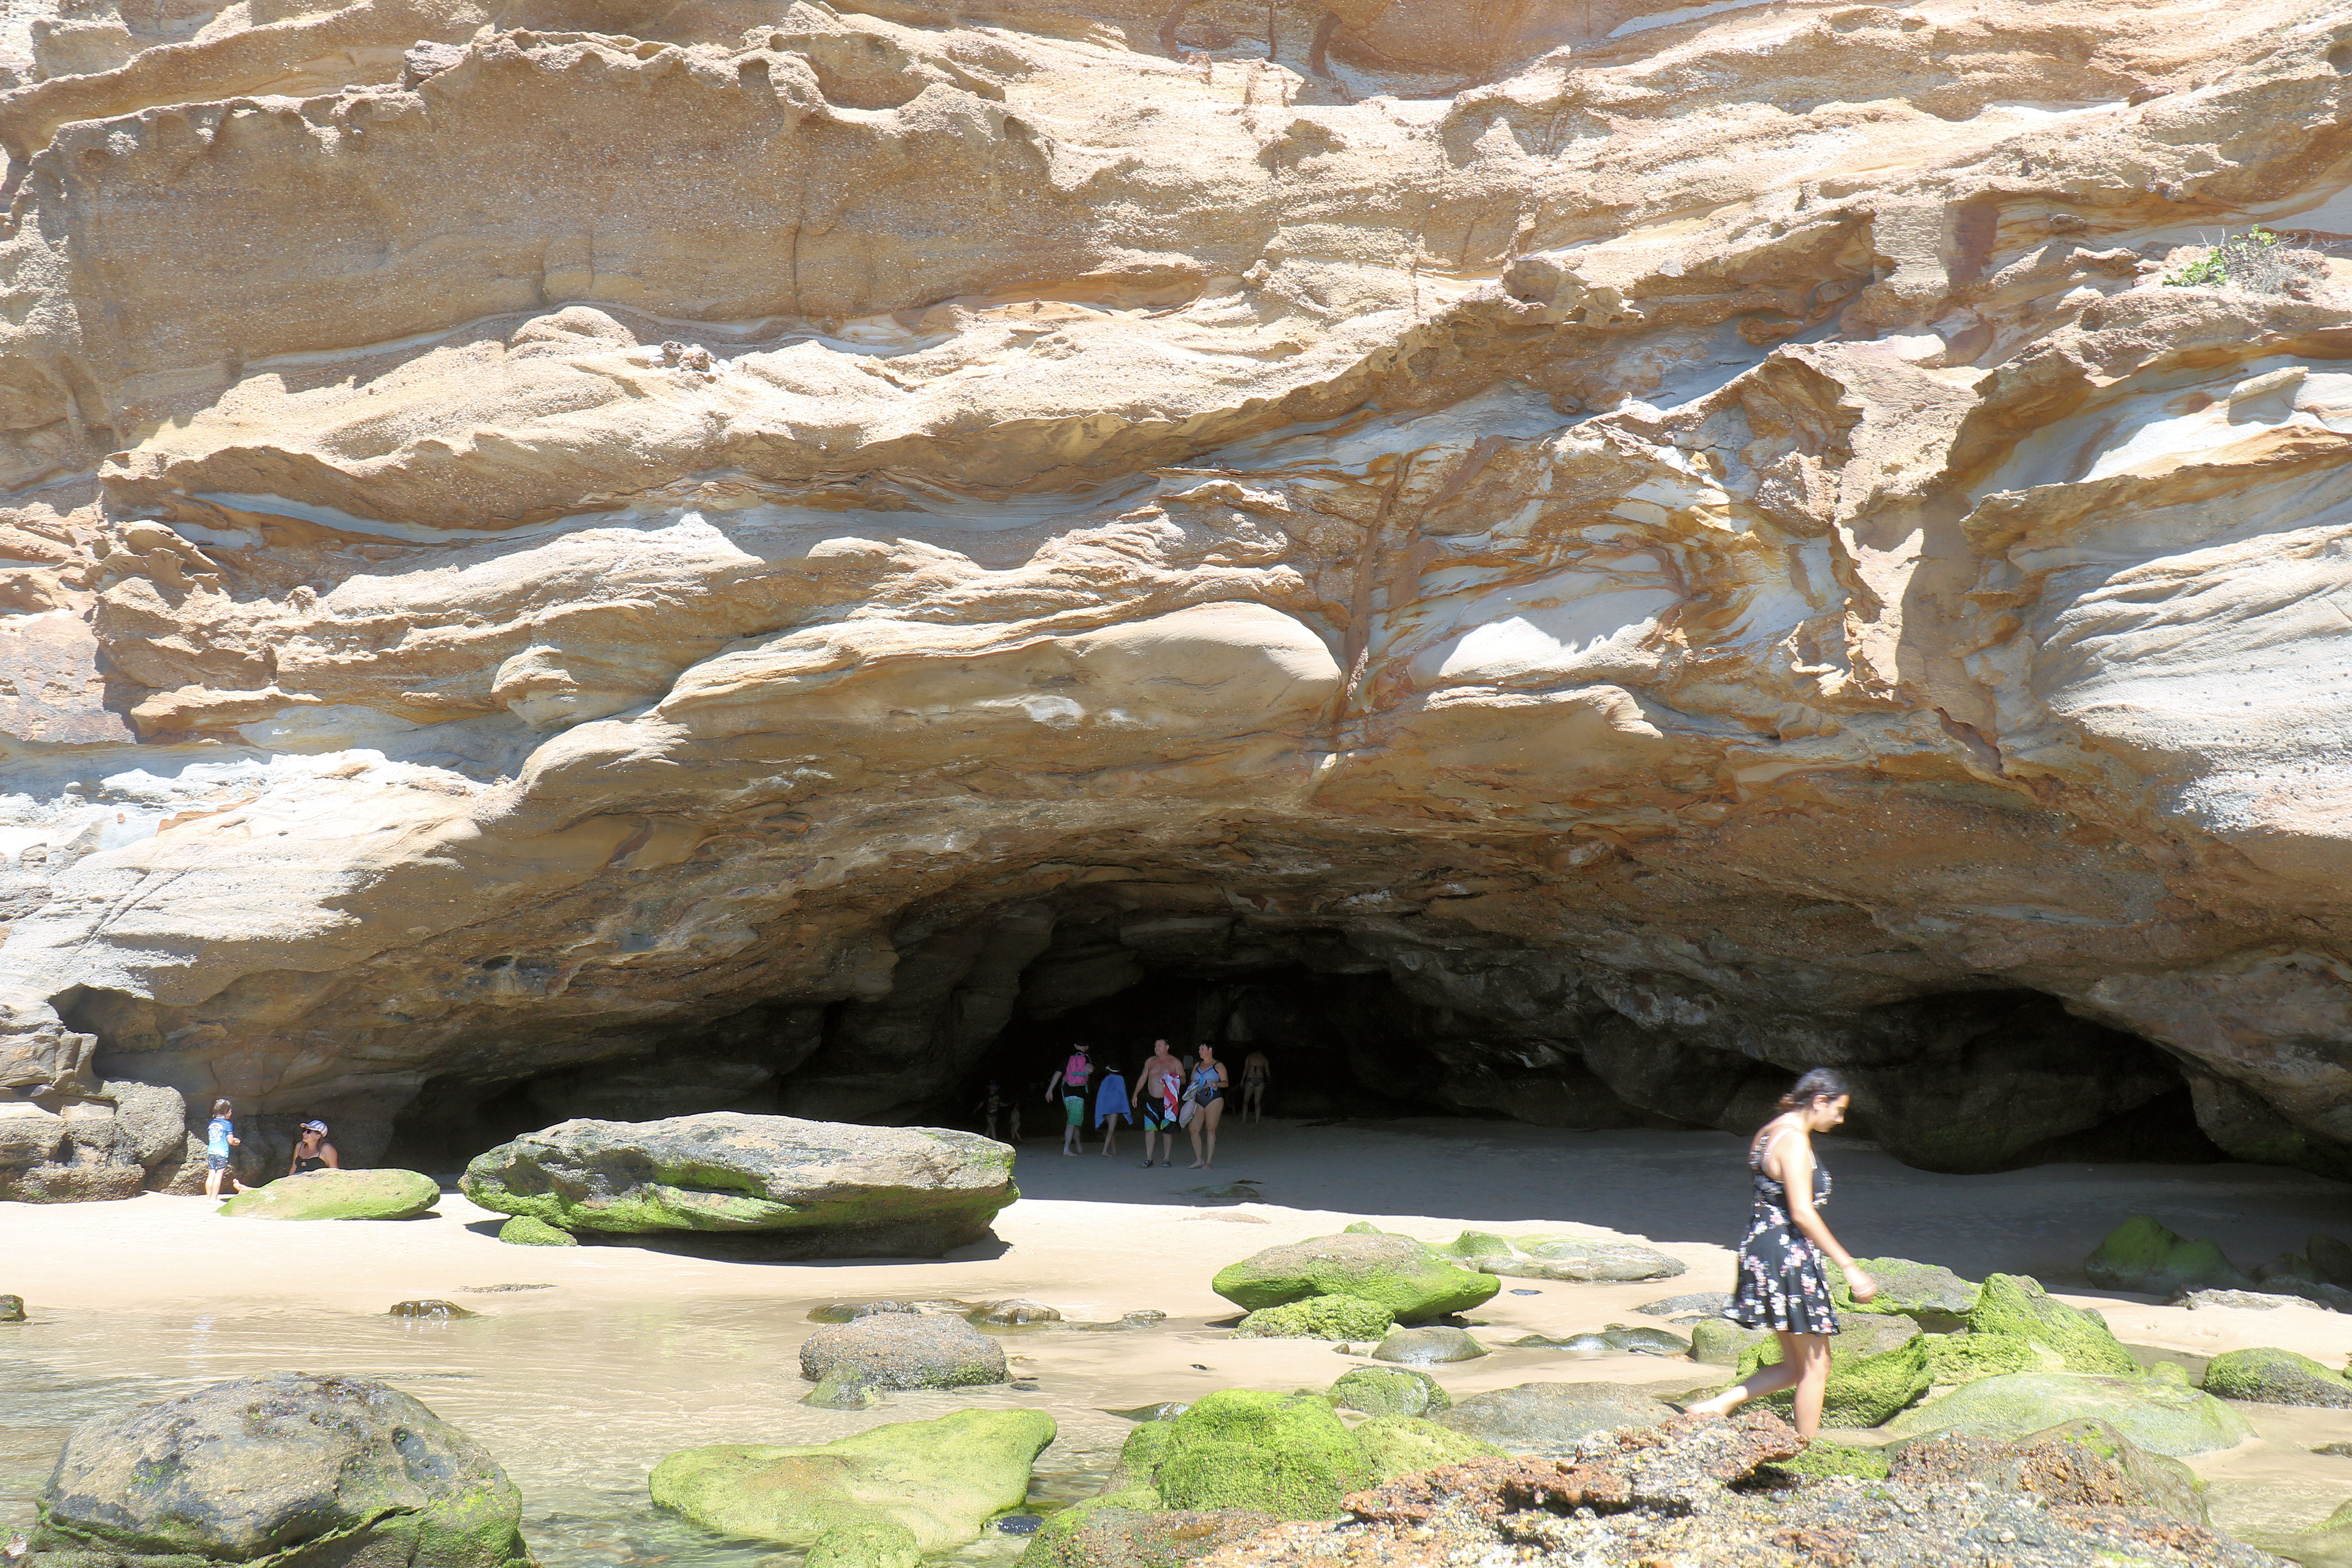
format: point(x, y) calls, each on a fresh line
point(1796, 1180)
point(327, 1152)
point(294, 1159)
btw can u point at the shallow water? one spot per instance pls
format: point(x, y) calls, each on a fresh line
point(577, 1400)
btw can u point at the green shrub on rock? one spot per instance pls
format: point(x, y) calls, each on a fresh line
point(2160, 1416)
point(1319, 1318)
point(1402, 1445)
point(2015, 1305)
point(524, 1231)
point(2276, 1377)
point(1389, 1391)
point(2144, 1256)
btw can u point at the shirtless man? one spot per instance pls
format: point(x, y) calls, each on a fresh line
point(1158, 1090)
point(1256, 1073)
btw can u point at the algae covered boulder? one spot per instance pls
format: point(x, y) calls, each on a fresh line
point(2144, 1256)
point(1403, 1444)
point(1864, 1389)
point(2016, 1305)
point(2276, 1377)
point(1318, 1317)
point(524, 1231)
point(1552, 1419)
point(940, 1479)
point(1928, 1291)
point(808, 1189)
point(1389, 1391)
point(1721, 1343)
point(1409, 1278)
point(2166, 1483)
point(339, 1195)
point(265, 1467)
point(1287, 1455)
point(2161, 1417)
point(904, 1349)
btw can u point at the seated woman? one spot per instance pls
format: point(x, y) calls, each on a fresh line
point(312, 1151)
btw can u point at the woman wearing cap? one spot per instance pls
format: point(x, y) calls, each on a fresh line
point(312, 1151)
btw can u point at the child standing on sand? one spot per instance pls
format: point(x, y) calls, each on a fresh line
point(220, 1137)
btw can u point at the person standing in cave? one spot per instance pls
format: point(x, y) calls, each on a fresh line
point(995, 1106)
point(220, 1137)
point(1256, 1073)
point(1110, 1109)
point(1069, 1081)
point(1782, 1285)
point(1160, 1089)
point(1205, 1104)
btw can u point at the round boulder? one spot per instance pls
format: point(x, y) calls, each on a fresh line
point(262, 1466)
point(1389, 1391)
point(339, 1195)
point(811, 1189)
point(524, 1231)
point(2161, 1417)
point(2276, 1377)
point(901, 1350)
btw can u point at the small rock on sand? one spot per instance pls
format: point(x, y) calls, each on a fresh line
point(1428, 1347)
point(899, 1350)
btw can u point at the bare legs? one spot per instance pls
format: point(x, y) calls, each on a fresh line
point(1254, 1102)
point(1110, 1134)
point(1804, 1365)
point(1073, 1136)
point(1205, 1118)
point(213, 1180)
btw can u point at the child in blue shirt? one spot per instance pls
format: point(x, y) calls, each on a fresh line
point(220, 1137)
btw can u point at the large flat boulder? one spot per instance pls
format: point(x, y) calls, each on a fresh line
point(813, 1189)
point(1552, 1419)
point(1408, 1277)
point(940, 1479)
point(339, 1195)
point(2162, 1417)
point(264, 1467)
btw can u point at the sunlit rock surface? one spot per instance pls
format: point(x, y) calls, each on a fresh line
point(744, 555)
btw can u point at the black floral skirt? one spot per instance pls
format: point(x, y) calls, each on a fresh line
point(1781, 1283)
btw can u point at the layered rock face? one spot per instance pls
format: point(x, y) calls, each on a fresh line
point(644, 560)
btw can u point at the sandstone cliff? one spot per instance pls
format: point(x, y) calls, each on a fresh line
point(667, 551)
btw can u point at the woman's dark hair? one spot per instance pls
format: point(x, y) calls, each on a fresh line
point(1821, 1083)
point(222, 1108)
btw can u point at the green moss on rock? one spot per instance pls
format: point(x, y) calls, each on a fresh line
point(867, 1543)
point(1404, 1445)
point(2016, 1305)
point(1409, 1278)
point(2162, 1417)
point(941, 1480)
point(339, 1195)
point(1319, 1318)
point(524, 1231)
point(1827, 1458)
point(1119, 1536)
point(1389, 1391)
point(2276, 1377)
point(1905, 1287)
point(1278, 1453)
point(2144, 1256)
point(2168, 1483)
point(1719, 1341)
point(1955, 1359)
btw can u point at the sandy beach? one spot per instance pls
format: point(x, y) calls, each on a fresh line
point(617, 1356)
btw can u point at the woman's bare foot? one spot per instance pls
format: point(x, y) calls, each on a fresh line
point(1197, 1165)
point(1717, 1405)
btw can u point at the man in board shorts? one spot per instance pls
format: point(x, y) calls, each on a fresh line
point(1158, 1090)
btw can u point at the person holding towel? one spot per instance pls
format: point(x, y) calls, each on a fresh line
point(1110, 1109)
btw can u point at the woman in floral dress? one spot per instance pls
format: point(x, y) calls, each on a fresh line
point(1781, 1283)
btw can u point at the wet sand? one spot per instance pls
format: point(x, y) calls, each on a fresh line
point(581, 1387)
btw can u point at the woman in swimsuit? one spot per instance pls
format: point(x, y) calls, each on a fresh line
point(1206, 1094)
point(1160, 1089)
point(312, 1151)
point(1256, 1072)
point(1782, 1285)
